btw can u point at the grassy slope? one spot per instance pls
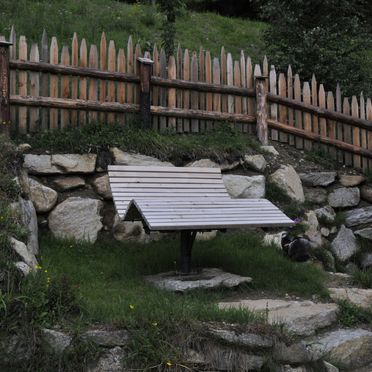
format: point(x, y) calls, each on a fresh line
point(90, 17)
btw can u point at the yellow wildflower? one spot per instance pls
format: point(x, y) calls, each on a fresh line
point(169, 363)
point(132, 306)
point(155, 324)
point(37, 267)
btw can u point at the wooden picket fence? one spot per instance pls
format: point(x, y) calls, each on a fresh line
point(53, 87)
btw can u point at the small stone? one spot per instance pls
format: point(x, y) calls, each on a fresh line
point(107, 338)
point(312, 229)
point(289, 182)
point(358, 216)
point(55, 341)
point(364, 233)
point(23, 268)
point(67, 183)
point(344, 197)
point(325, 231)
point(203, 163)
point(366, 261)
point(330, 367)
point(102, 187)
point(21, 249)
point(44, 198)
point(315, 195)
point(255, 162)
point(270, 150)
point(366, 193)
point(318, 178)
point(357, 296)
point(24, 147)
point(326, 213)
point(345, 244)
point(127, 158)
point(110, 361)
point(293, 353)
point(244, 186)
point(349, 180)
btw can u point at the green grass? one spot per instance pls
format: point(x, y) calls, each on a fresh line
point(222, 143)
point(350, 315)
point(90, 17)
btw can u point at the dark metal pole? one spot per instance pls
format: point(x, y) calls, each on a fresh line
point(187, 241)
point(4, 88)
point(145, 71)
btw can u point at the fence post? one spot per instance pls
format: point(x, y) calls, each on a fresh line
point(261, 109)
point(145, 71)
point(4, 88)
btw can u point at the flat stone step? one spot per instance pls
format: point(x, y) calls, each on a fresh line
point(357, 296)
point(299, 317)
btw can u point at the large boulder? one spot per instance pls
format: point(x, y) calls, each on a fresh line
point(344, 197)
point(364, 233)
point(312, 229)
point(107, 338)
point(76, 218)
point(350, 348)
point(60, 163)
point(55, 341)
point(43, 197)
point(102, 187)
point(318, 178)
point(244, 186)
point(359, 216)
point(288, 181)
point(65, 183)
point(21, 249)
point(128, 158)
point(345, 245)
point(350, 180)
point(357, 296)
point(255, 162)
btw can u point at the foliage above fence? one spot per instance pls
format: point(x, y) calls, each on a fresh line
point(52, 87)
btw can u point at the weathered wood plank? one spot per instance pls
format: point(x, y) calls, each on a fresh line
point(357, 161)
point(291, 139)
point(307, 116)
point(83, 81)
point(186, 94)
point(201, 78)
point(121, 67)
point(224, 100)
point(194, 95)
point(314, 102)
point(282, 86)
point(331, 124)
point(347, 132)
point(22, 86)
point(155, 89)
point(34, 90)
point(369, 132)
point(237, 100)
point(111, 86)
point(74, 80)
point(13, 74)
point(216, 80)
point(172, 98)
point(273, 106)
point(65, 86)
point(163, 92)
point(230, 81)
point(298, 114)
point(103, 67)
point(179, 92)
point(322, 121)
point(208, 79)
point(93, 83)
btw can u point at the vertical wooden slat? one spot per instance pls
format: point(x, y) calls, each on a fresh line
point(265, 71)
point(130, 69)
point(172, 74)
point(363, 132)
point(93, 83)
point(216, 80)
point(65, 86)
point(137, 54)
point(103, 66)
point(273, 106)
point(347, 132)
point(224, 100)
point(322, 104)
point(13, 73)
point(314, 102)
point(282, 85)
point(356, 132)
point(230, 81)
point(163, 91)
point(179, 92)
point(243, 81)
point(186, 93)
point(202, 79)
point(121, 67)
point(298, 113)
point(111, 84)
point(208, 79)
point(83, 81)
point(307, 116)
point(155, 90)
point(339, 126)
point(34, 90)
point(74, 80)
point(237, 99)
point(54, 83)
point(194, 94)
point(249, 75)
point(331, 124)
point(291, 139)
point(369, 135)
point(22, 86)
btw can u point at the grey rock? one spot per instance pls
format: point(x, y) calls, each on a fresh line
point(270, 150)
point(55, 341)
point(244, 186)
point(330, 367)
point(318, 178)
point(327, 213)
point(60, 163)
point(359, 216)
point(349, 348)
point(203, 163)
point(110, 361)
point(357, 296)
point(315, 195)
point(325, 231)
point(351, 268)
point(367, 368)
point(127, 158)
point(76, 218)
point(299, 317)
point(207, 278)
point(65, 183)
point(350, 180)
point(43, 197)
point(246, 339)
point(255, 162)
point(364, 233)
point(366, 193)
point(293, 353)
point(345, 245)
point(23, 268)
point(366, 260)
point(102, 187)
point(14, 349)
point(344, 197)
point(288, 180)
point(312, 229)
point(107, 338)
point(24, 147)
point(21, 249)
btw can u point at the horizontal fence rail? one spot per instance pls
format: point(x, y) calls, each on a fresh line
point(45, 87)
